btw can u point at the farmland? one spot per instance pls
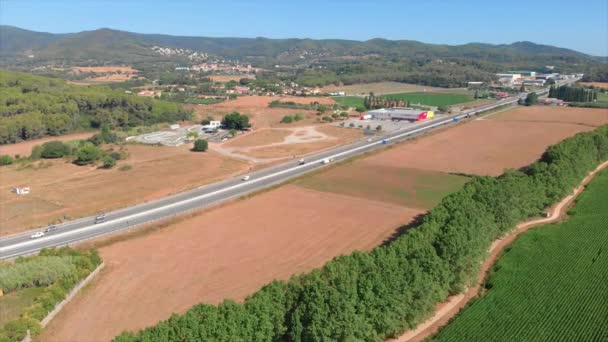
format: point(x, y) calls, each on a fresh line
point(550, 284)
point(380, 88)
point(519, 136)
point(63, 190)
point(424, 98)
point(228, 252)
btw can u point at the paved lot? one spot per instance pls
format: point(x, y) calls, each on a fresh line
point(387, 125)
point(176, 137)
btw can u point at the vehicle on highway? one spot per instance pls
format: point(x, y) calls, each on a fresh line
point(301, 162)
point(245, 178)
point(37, 235)
point(50, 229)
point(100, 218)
point(327, 160)
point(384, 141)
point(369, 139)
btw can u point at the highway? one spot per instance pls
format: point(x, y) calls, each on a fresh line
point(209, 195)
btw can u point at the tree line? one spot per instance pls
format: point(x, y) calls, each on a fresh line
point(573, 94)
point(379, 294)
point(34, 106)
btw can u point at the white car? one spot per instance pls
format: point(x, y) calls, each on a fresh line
point(301, 162)
point(37, 235)
point(245, 178)
point(369, 139)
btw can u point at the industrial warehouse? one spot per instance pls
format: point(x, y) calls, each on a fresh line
point(398, 114)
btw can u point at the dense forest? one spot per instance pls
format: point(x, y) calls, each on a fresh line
point(374, 295)
point(34, 106)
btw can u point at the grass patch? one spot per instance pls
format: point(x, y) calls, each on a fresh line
point(431, 99)
point(351, 101)
point(14, 303)
point(408, 187)
point(550, 284)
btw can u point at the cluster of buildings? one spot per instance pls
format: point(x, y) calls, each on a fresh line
point(225, 67)
point(529, 78)
point(398, 114)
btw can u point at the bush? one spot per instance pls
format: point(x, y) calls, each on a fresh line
point(352, 125)
point(6, 160)
point(200, 145)
point(335, 116)
point(287, 119)
point(344, 114)
point(36, 152)
point(125, 167)
point(87, 154)
point(378, 294)
point(328, 119)
point(235, 120)
point(298, 117)
point(54, 149)
point(108, 162)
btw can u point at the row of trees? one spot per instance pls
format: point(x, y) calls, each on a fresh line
point(374, 295)
point(372, 101)
point(573, 94)
point(34, 106)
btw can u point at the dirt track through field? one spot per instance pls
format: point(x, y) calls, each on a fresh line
point(228, 252)
point(445, 311)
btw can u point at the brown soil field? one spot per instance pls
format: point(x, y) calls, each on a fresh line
point(484, 147)
point(63, 190)
point(260, 114)
point(123, 69)
point(228, 252)
point(24, 148)
point(597, 84)
point(260, 137)
point(573, 115)
point(228, 78)
point(379, 88)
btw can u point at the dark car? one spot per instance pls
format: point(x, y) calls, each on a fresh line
point(50, 229)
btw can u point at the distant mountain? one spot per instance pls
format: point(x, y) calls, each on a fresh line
point(105, 46)
point(126, 45)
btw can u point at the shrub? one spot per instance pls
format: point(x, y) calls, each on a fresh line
point(352, 125)
point(379, 128)
point(298, 117)
point(287, 119)
point(200, 145)
point(344, 114)
point(87, 154)
point(235, 120)
point(108, 162)
point(125, 167)
point(54, 149)
point(335, 116)
point(6, 160)
point(328, 119)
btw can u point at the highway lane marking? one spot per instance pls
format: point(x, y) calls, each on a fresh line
point(255, 180)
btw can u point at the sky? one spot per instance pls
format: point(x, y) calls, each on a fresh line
point(580, 25)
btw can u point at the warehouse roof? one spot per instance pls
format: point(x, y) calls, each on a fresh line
point(397, 110)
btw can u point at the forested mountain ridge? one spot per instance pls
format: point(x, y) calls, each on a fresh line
point(34, 106)
point(308, 62)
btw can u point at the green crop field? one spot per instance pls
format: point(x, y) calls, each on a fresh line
point(351, 101)
point(431, 99)
point(602, 97)
point(423, 98)
point(412, 188)
point(550, 285)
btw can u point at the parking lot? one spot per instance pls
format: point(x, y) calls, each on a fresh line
point(387, 125)
point(177, 137)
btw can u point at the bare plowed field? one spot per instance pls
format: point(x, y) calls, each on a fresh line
point(597, 84)
point(257, 138)
point(580, 116)
point(63, 190)
point(228, 252)
point(484, 147)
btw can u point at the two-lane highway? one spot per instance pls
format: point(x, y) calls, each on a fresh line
point(86, 228)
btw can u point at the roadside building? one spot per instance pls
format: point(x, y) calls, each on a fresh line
point(400, 113)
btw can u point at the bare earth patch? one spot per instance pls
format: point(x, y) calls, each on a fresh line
point(580, 116)
point(24, 148)
point(379, 88)
point(484, 147)
point(228, 78)
point(597, 84)
point(260, 137)
point(228, 252)
point(61, 189)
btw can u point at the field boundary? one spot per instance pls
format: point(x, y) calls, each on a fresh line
point(446, 310)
